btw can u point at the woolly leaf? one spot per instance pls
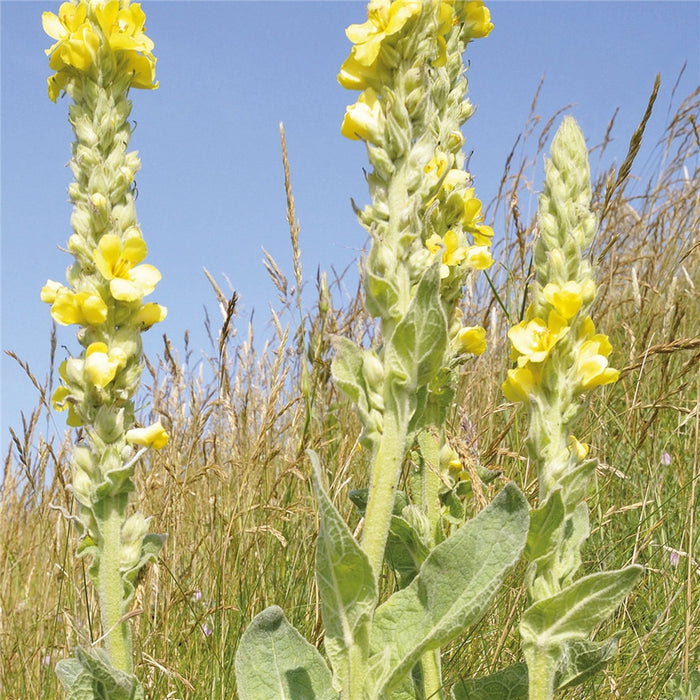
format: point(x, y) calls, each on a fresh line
point(274, 662)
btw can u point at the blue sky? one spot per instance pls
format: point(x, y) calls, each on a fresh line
point(211, 186)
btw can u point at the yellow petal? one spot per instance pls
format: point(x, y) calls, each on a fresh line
point(152, 436)
point(93, 308)
point(472, 340)
point(519, 385)
point(478, 257)
point(580, 449)
point(149, 314)
point(49, 291)
point(107, 254)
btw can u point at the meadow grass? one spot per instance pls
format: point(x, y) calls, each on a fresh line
point(232, 491)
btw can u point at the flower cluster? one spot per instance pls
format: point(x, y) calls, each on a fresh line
point(558, 356)
point(428, 234)
point(100, 52)
point(406, 60)
point(106, 284)
point(117, 29)
point(557, 353)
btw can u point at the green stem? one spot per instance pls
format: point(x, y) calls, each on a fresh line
point(541, 669)
point(357, 674)
point(429, 443)
point(111, 588)
point(386, 469)
point(432, 675)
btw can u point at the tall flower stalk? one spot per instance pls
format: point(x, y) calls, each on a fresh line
point(426, 228)
point(101, 51)
point(427, 235)
point(558, 357)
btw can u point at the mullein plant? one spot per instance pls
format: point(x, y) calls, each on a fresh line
point(101, 51)
point(427, 235)
point(558, 358)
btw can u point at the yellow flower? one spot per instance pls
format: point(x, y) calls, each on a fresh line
point(453, 253)
point(567, 298)
point(117, 262)
point(521, 382)
point(152, 436)
point(364, 120)
point(580, 449)
point(478, 257)
point(50, 291)
point(592, 364)
point(476, 18)
point(455, 178)
point(384, 19)
point(534, 340)
point(472, 340)
point(101, 364)
point(70, 307)
point(124, 30)
point(60, 402)
point(441, 58)
point(437, 165)
point(149, 314)
point(472, 219)
point(63, 398)
point(353, 75)
point(76, 41)
point(76, 46)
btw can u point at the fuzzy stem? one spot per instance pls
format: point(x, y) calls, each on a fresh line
point(541, 672)
point(386, 468)
point(429, 442)
point(116, 632)
point(432, 675)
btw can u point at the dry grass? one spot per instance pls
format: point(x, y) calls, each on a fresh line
point(231, 488)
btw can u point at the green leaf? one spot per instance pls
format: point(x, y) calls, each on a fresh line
point(346, 587)
point(577, 610)
point(581, 659)
point(415, 350)
point(487, 475)
point(346, 368)
point(274, 662)
point(150, 547)
point(89, 676)
point(575, 482)
point(382, 296)
point(510, 683)
point(679, 689)
point(576, 531)
point(546, 525)
point(454, 588)
point(405, 551)
point(359, 497)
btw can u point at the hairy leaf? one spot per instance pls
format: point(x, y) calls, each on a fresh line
point(581, 659)
point(274, 662)
point(577, 610)
point(89, 676)
point(454, 588)
point(346, 585)
point(420, 337)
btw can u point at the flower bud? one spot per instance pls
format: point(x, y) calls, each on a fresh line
point(372, 369)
